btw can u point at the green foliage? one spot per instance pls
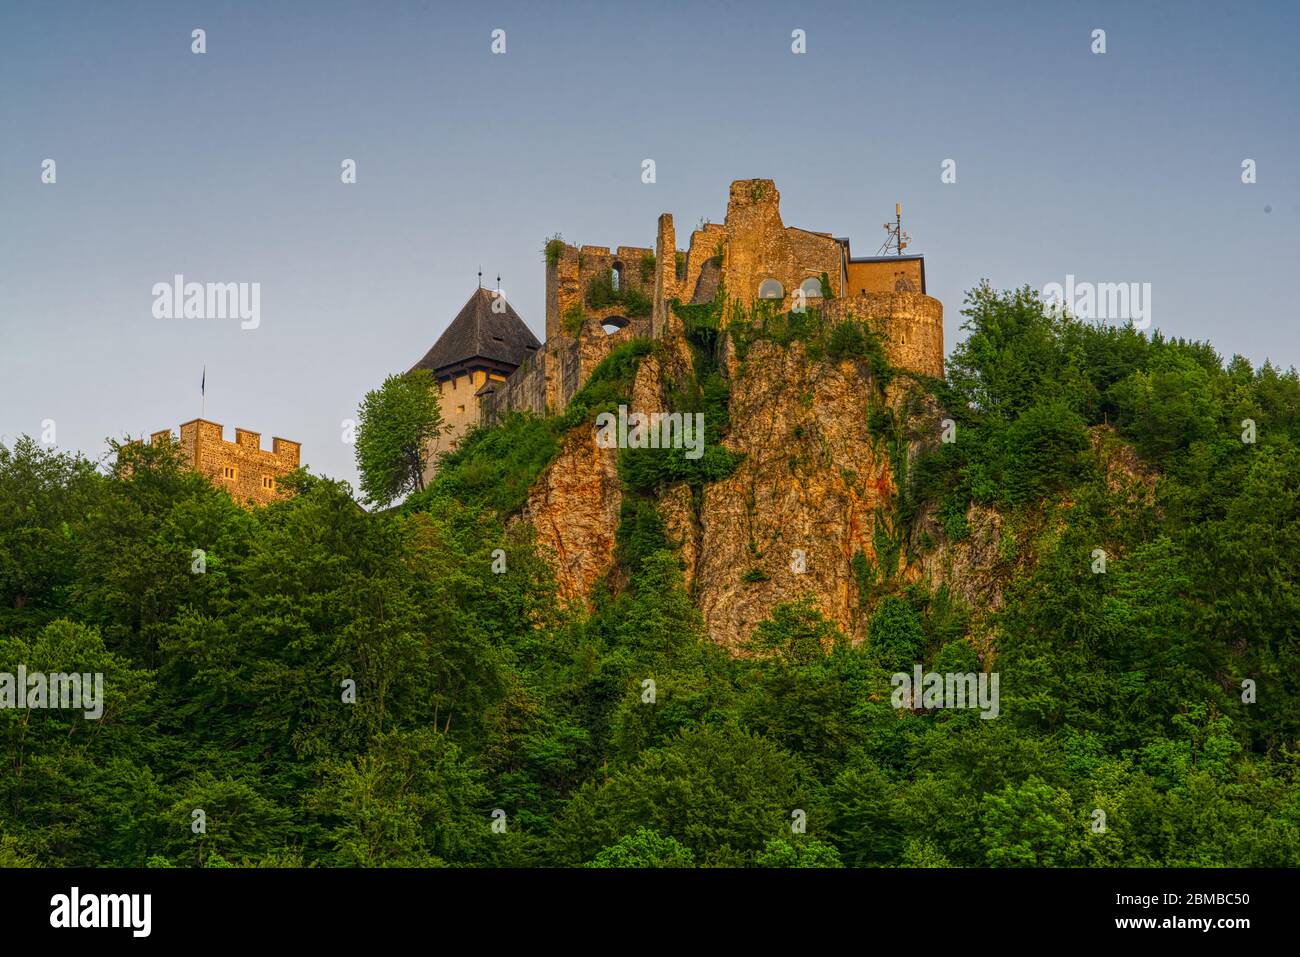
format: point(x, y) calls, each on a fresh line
point(851, 339)
point(572, 319)
point(895, 633)
point(42, 496)
point(644, 848)
point(398, 428)
point(706, 393)
point(864, 575)
point(412, 801)
point(609, 385)
point(494, 467)
point(618, 734)
point(601, 294)
point(780, 852)
point(553, 250)
point(640, 533)
point(796, 632)
point(720, 791)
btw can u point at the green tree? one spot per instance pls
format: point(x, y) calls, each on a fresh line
point(398, 428)
point(1028, 825)
point(789, 852)
point(644, 848)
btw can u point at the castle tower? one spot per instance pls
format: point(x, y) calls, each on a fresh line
point(484, 343)
point(243, 468)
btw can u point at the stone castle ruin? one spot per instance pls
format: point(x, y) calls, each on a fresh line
point(488, 363)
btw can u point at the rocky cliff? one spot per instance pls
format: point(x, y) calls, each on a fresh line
point(813, 489)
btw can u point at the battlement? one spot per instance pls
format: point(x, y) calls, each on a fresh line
point(245, 469)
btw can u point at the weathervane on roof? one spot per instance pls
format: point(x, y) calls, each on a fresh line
point(895, 239)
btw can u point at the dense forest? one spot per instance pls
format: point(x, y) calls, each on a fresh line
point(342, 687)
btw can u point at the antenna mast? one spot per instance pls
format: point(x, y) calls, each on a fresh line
point(895, 239)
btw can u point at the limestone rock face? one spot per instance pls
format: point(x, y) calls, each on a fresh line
point(809, 493)
point(974, 569)
point(573, 508)
point(803, 500)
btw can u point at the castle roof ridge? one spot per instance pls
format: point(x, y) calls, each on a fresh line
point(479, 332)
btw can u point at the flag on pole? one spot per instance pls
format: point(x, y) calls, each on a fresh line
point(203, 383)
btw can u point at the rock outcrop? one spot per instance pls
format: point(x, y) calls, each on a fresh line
point(808, 494)
point(573, 508)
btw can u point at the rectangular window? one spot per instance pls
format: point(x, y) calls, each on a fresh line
point(228, 473)
point(268, 483)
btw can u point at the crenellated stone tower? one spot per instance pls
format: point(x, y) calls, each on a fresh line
point(247, 471)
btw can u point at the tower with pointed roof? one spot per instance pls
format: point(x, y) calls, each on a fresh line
point(484, 343)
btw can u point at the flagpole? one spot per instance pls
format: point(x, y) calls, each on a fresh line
point(203, 392)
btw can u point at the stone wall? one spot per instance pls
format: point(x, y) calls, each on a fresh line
point(524, 390)
point(885, 275)
point(752, 245)
point(569, 281)
point(911, 322)
point(666, 282)
point(760, 247)
point(459, 405)
point(242, 467)
point(705, 244)
point(552, 376)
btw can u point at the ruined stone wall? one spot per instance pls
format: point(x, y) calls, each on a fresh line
point(546, 382)
point(814, 254)
point(242, 467)
point(754, 245)
point(911, 322)
point(758, 246)
point(595, 344)
point(523, 390)
point(665, 280)
point(572, 361)
point(526, 389)
point(563, 291)
point(705, 243)
point(568, 283)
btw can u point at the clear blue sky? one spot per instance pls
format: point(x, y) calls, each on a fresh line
point(225, 167)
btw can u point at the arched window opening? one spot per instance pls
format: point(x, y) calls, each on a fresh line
point(811, 288)
point(613, 324)
point(771, 289)
point(616, 277)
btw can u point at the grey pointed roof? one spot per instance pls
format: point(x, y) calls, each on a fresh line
point(479, 333)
